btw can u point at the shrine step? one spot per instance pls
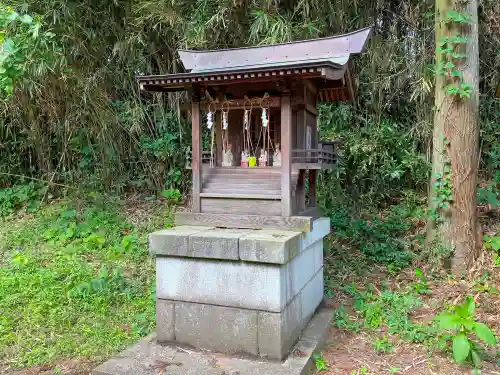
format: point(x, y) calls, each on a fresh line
point(230, 194)
point(260, 185)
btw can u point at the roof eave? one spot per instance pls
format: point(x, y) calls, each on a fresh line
point(183, 81)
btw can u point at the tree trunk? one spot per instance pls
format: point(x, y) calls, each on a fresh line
point(456, 147)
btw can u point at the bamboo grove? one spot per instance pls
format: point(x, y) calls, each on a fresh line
point(77, 118)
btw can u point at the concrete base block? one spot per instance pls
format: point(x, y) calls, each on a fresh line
point(278, 332)
point(269, 246)
point(259, 286)
point(149, 358)
point(237, 330)
point(321, 229)
point(216, 244)
point(233, 284)
point(311, 297)
point(237, 291)
point(173, 241)
point(225, 329)
point(165, 320)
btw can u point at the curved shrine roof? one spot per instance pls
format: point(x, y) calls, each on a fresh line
point(325, 58)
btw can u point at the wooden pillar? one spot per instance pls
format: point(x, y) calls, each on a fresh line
point(286, 155)
point(300, 192)
point(196, 158)
point(312, 187)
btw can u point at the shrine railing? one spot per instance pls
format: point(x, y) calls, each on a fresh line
point(324, 157)
point(205, 157)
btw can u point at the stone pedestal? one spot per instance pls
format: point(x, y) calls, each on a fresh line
point(237, 291)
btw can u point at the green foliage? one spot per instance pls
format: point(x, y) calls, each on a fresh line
point(391, 311)
point(104, 285)
point(378, 156)
point(490, 136)
point(106, 136)
point(443, 193)
point(172, 195)
point(17, 196)
point(458, 17)
point(449, 56)
point(319, 362)
point(24, 40)
point(76, 280)
point(493, 243)
point(421, 285)
point(466, 332)
point(342, 320)
point(381, 238)
point(383, 345)
point(166, 150)
point(489, 194)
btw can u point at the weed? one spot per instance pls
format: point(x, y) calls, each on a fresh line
point(466, 334)
point(142, 326)
point(319, 362)
point(381, 238)
point(391, 310)
point(493, 243)
point(482, 285)
point(394, 370)
point(13, 198)
point(342, 320)
point(361, 371)
point(172, 195)
point(101, 286)
point(383, 345)
point(76, 280)
point(421, 286)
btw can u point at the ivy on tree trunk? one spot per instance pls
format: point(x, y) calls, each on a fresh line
point(452, 204)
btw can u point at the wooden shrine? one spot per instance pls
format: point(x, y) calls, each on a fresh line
point(259, 105)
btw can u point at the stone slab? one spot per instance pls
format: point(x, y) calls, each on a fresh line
point(265, 246)
point(224, 329)
point(149, 358)
point(321, 228)
point(235, 330)
point(269, 246)
point(253, 286)
point(216, 243)
point(173, 241)
point(257, 286)
point(165, 320)
point(311, 297)
point(303, 268)
point(278, 332)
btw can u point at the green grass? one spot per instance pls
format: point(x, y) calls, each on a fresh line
point(76, 280)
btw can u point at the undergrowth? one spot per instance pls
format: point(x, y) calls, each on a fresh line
point(432, 313)
point(384, 237)
point(76, 280)
point(385, 311)
point(21, 195)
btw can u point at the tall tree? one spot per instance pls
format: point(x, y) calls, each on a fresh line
point(453, 218)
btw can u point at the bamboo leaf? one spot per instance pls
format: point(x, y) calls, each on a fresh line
point(27, 19)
